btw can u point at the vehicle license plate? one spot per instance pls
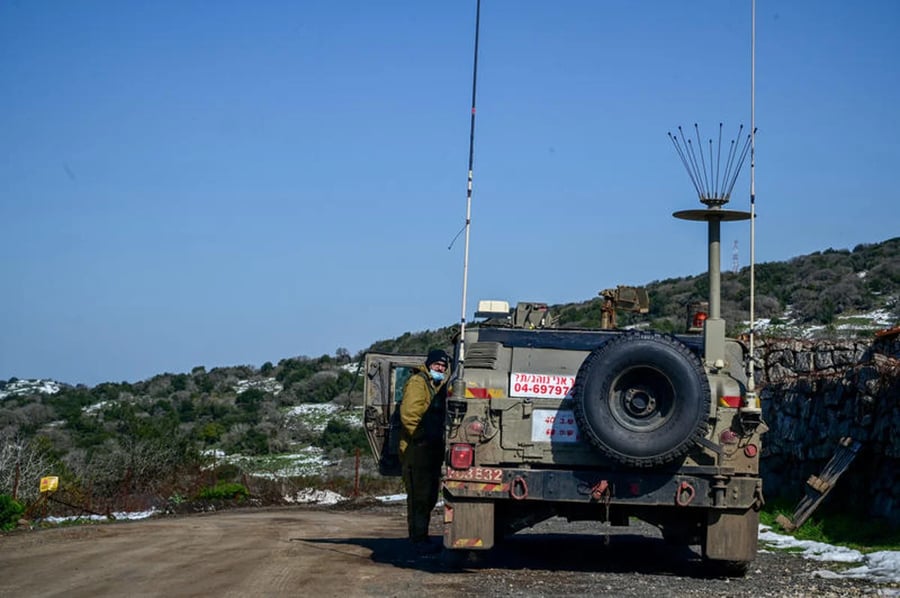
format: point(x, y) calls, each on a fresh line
point(488, 475)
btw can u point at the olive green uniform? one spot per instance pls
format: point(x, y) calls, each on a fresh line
point(422, 448)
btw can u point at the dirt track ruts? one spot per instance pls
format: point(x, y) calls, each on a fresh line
point(344, 551)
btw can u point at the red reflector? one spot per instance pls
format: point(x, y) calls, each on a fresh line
point(478, 393)
point(461, 456)
point(750, 450)
point(729, 401)
point(475, 428)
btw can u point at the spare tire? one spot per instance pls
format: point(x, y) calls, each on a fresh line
point(642, 399)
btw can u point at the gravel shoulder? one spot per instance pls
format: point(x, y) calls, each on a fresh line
point(360, 550)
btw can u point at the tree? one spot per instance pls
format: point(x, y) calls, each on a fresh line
point(22, 464)
point(342, 355)
point(180, 382)
point(250, 399)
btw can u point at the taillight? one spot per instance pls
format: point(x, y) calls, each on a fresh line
point(461, 456)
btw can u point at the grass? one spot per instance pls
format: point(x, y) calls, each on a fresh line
point(224, 491)
point(836, 528)
point(308, 460)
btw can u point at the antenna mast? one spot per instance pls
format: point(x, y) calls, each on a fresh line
point(752, 400)
point(459, 385)
point(715, 192)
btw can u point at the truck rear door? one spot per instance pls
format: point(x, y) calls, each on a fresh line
point(385, 376)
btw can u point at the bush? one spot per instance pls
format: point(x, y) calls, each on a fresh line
point(339, 434)
point(10, 512)
point(250, 399)
point(224, 491)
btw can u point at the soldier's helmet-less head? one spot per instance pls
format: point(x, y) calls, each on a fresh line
point(439, 357)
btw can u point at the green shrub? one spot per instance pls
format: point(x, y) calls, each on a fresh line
point(211, 432)
point(339, 434)
point(10, 512)
point(224, 491)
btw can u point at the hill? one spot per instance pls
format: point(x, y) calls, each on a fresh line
point(156, 437)
point(828, 294)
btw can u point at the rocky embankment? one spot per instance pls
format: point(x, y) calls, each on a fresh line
point(814, 393)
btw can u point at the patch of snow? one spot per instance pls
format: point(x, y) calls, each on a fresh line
point(118, 515)
point(812, 331)
point(880, 567)
point(816, 551)
point(353, 368)
point(95, 408)
point(882, 317)
point(316, 415)
point(270, 385)
point(311, 495)
point(854, 322)
point(312, 408)
point(25, 387)
point(391, 498)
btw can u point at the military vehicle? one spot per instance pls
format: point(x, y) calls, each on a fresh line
point(594, 424)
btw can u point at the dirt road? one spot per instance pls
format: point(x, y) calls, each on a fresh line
point(362, 552)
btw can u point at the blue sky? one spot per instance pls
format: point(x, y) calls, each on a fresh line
point(224, 183)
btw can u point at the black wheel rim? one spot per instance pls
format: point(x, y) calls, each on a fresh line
point(641, 399)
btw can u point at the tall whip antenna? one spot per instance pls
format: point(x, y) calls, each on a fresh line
point(459, 386)
point(752, 399)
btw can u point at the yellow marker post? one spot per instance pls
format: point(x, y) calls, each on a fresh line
point(49, 484)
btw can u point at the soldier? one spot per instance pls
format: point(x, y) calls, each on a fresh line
point(422, 443)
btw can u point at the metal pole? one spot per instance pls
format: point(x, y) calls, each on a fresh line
point(356, 476)
point(715, 268)
point(459, 389)
point(752, 400)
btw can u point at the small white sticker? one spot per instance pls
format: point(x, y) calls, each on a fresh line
point(554, 425)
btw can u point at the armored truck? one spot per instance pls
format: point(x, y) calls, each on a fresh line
point(593, 424)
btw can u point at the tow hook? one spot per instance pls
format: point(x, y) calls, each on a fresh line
point(759, 501)
point(685, 494)
point(518, 489)
point(600, 491)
